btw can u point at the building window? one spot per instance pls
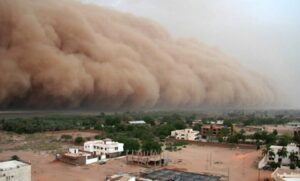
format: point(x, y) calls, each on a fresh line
point(116, 148)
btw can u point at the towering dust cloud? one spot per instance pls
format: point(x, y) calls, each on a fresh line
point(63, 54)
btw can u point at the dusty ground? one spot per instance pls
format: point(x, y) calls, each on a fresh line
point(281, 129)
point(39, 149)
point(239, 163)
point(44, 168)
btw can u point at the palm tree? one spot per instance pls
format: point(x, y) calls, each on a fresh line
point(265, 151)
point(271, 155)
point(293, 157)
point(282, 152)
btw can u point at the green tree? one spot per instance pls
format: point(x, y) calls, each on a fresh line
point(151, 146)
point(298, 163)
point(98, 137)
point(271, 155)
point(164, 130)
point(112, 120)
point(265, 150)
point(15, 157)
point(79, 140)
point(284, 140)
point(275, 132)
point(179, 124)
point(197, 127)
point(282, 153)
point(296, 136)
point(225, 132)
point(130, 144)
point(292, 166)
point(149, 120)
point(293, 157)
point(268, 138)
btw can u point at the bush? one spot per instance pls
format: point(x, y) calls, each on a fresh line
point(220, 140)
point(274, 165)
point(97, 137)
point(79, 140)
point(180, 143)
point(292, 166)
point(298, 163)
point(15, 157)
point(171, 147)
point(66, 137)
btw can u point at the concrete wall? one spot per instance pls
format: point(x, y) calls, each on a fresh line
point(263, 162)
point(91, 160)
point(224, 145)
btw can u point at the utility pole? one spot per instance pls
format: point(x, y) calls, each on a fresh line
point(210, 159)
point(243, 166)
point(228, 173)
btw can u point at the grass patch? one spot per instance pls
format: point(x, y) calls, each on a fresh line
point(178, 145)
point(41, 146)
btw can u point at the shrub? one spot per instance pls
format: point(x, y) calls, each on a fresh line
point(292, 166)
point(97, 137)
point(15, 157)
point(274, 165)
point(66, 137)
point(298, 163)
point(180, 143)
point(79, 140)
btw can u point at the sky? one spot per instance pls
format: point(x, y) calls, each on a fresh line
point(263, 34)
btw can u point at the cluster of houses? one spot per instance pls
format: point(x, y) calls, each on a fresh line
point(92, 152)
point(99, 151)
point(206, 132)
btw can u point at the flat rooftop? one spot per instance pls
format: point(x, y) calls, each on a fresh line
point(137, 122)
point(11, 164)
point(167, 175)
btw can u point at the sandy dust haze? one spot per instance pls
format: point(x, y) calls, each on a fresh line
point(64, 54)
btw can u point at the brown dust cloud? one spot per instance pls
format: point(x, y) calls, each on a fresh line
point(65, 54)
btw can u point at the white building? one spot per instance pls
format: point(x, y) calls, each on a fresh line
point(285, 160)
point(199, 121)
point(294, 124)
point(104, 147)
point(286, 174)
point(14, 170)
point(137, 122)
point(78, 157)
point(185, 134)
point(220, 122)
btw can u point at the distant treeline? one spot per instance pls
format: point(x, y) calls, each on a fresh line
point(160, 121)
point(147, 136)
point(115, 126)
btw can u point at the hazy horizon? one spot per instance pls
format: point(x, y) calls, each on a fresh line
point(262, 34)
